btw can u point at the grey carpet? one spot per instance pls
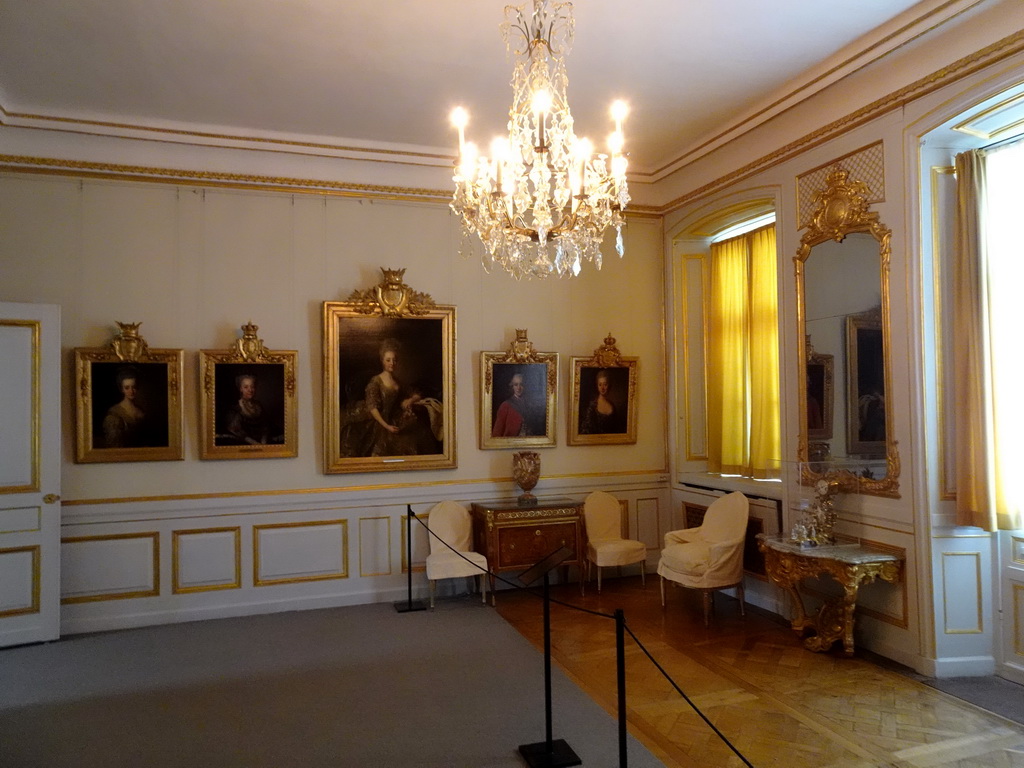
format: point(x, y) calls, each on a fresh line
point(360, 686)
point(995, 694)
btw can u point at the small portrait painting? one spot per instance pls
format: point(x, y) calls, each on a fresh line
point(602, 410)
point(129, 405)
point(518, 395)
point(249, 404)
point(603, 397)
point(128, 400)
point(248, 400)
point(522, 412)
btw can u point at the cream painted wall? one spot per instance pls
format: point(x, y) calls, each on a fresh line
point(195, 264)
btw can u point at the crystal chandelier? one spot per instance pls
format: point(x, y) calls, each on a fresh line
point(543, 201)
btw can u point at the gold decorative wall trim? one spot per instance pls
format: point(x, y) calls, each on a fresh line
point(425, 517)
point(342, 489)
point(1018, 619)
point(36, 552)
point(176, 587)
point(154, 592)
point(866, 164)
point(261, 582)
point(387, 538)
point(1017, 550)
point(35, 328)
point(657, 521)
point(964, 67)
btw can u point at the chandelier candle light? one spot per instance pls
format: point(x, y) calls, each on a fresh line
point(542, 202)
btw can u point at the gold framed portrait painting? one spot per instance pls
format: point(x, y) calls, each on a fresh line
point(247, 401)
point(518, 396)
point(128, 400)
point(603, 408)
point(389, 380)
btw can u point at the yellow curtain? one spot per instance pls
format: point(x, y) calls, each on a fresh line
point(970, 385)
point(727, 356)
point(765, 437)
point(743, 357)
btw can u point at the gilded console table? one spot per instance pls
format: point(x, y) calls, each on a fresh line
point(787, 563)
point(513, 538)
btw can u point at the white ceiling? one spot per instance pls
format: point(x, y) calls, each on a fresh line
point(386, 73)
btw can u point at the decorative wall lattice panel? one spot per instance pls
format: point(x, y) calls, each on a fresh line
point(867, 165)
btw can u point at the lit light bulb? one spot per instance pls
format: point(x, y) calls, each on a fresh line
point(460, 119)
point(615, 142)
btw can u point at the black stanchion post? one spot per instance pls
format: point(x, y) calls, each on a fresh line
point(620, 664)
point(550, 753)
point(404, 606)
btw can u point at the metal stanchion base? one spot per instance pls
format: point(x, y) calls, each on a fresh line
point(554, 755)
point(404, 606)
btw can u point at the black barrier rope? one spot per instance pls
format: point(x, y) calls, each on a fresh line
point(592, 612)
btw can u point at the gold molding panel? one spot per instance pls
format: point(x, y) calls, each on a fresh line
point(36, 555)
point(177, 536)
point(96, 598)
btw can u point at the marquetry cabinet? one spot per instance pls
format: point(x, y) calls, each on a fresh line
point(514, 538)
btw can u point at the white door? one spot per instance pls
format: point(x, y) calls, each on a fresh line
point(29, 473)
point(1011, 556)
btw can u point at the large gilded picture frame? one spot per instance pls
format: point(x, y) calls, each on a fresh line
point(247, 401)
point(603, 403)
point(389, 380)
point(518, 395)
point(128, 400)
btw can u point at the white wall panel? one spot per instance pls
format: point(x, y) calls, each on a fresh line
point(206, 560)
point(291, 552)
point(109, 567)
point(961, 586)
point(647, 525)
point(19, 580)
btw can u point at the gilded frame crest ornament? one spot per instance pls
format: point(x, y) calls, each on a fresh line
point(518, 393)
point(388, 349)
point(842, 209)
point(247, 400)
point(128, 400)
point(603, 403)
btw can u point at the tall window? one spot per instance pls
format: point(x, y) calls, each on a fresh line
point(990, 484)
point(743, 357)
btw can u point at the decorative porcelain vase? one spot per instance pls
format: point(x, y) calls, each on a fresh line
point(526, 472)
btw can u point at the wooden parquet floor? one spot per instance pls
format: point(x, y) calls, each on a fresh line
point(777, 703)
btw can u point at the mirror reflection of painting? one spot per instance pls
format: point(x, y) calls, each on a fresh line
point(603, 406)
point(129, 405)
point(391, 385)
point(249, 404)
point(870, 391)
point(519, 403)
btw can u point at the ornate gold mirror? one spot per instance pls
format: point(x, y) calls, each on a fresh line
point(842, 284)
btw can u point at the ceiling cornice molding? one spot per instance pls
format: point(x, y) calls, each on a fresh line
point(964, 67)
point(881, 42)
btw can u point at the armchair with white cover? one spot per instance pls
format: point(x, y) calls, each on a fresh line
point(450, 523)
point(710, 556)
point(605, 543)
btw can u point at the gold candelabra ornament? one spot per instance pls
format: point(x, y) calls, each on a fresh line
point(542, 202)
point(814, 528)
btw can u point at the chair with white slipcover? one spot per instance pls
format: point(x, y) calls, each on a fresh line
point(605, 543)
point(450, 524)
point(710, 556)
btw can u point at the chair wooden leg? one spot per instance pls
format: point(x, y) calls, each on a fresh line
point(739, 593)
point(599, 579)
point(708, 604)
point(483, 587)
point(662, 591)
point(643, 573)
point(433, 589)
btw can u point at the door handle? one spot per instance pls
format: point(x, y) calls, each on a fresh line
point(51, 498)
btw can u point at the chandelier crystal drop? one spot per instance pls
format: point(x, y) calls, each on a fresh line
point(542, 202)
